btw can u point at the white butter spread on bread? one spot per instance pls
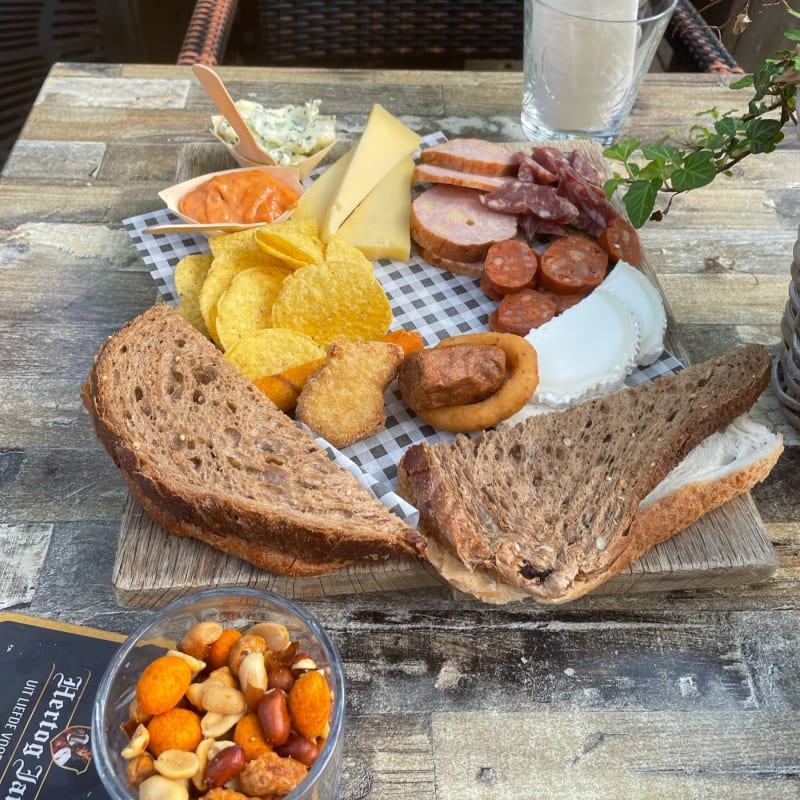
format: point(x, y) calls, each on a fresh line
point(643, 299)
point(585, 352)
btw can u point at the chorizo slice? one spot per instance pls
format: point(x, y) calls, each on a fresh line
point(572, 264)
point(509, 266)
point(522, 311)
point(621, 242)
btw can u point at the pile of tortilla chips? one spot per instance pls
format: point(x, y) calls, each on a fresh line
point(276, 296)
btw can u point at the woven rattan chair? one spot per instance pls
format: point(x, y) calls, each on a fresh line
point(416, 34)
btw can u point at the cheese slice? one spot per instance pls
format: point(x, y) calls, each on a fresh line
point(316, 200)
point(380, 225)
point(383, 144)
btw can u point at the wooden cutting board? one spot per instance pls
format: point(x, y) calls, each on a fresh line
point(727, 547)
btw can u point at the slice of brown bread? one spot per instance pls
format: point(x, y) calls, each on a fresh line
point(208, 455)
point(549, 505)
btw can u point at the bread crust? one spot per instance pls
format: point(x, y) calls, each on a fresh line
point(551, 505)
point(209, 456)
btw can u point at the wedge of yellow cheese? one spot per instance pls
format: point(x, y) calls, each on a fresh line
point(316, 201)
point(380, 225)
point(383, 144)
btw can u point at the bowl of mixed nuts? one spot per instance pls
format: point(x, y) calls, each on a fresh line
point(225, 694)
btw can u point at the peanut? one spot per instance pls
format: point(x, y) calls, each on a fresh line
point(223, 699)
point(274, 634)
point(198, 639)
point(246, 645)
point(213, 724)
point(280, 677)
point(303, 662)
point(273, 714)
point(177, 764)
point(139, 769)
point(253, 679)
point(225, 766)
point(195, 664)
point(157, 787)
point(137, 744)
point(202, 751)
point(300, 748)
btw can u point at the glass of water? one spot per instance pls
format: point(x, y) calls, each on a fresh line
point(584, 61)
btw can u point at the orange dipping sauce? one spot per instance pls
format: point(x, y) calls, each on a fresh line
point(249, 196)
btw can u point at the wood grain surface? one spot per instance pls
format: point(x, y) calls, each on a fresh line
point(691, 693)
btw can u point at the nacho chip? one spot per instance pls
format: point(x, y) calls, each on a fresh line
point(246, 305)
point(335, 300)
point(190, 272)
point(294, 242)
point(272, 350)
point(337, 249)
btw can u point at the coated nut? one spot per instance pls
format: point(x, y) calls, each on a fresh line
point(274, 634)
point(225, 766)
point(223, 699)
point(157, 787)
point(213, 724)
point(177, 764)
point(198, 639)
point(137, 744)
point(253, 679)
point(273, 714)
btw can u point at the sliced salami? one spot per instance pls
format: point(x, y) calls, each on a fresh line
point(531, 227)
point(531, 171)
point(509, 267)
point(452, 223)
point(572, 264)
point(471, 155)
point(522, 311)
point(431, 173)
point(544, 202)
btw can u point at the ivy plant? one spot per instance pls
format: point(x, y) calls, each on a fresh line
point(678, 163)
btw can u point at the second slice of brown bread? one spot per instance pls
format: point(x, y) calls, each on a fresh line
point(209, 456)
point(547, 505)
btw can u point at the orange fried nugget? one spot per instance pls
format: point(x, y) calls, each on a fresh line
point(344, 400)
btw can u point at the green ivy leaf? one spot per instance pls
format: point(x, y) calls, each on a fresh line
point(662, 152)
point(640, 200)
point(611, 185)
point(762, 133)
point(698, 170)
point(622, 150)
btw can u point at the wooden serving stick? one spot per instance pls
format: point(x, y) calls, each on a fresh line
point(215, 88)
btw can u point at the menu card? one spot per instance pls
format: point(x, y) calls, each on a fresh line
point(50, 675)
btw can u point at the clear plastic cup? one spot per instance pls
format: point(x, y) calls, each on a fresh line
point(238, 608)
point(584, 61)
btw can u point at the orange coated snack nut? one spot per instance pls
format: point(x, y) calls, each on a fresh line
point(191, 715)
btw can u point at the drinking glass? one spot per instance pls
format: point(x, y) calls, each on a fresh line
point(584, 61)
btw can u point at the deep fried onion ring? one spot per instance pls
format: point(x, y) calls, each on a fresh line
point(523, 378)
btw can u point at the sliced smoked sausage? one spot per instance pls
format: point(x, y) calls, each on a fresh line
point(471, 155)
point(522, 311)
point(572, 264)
point(509, 266)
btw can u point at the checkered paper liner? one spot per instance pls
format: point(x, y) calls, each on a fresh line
point(437, 303)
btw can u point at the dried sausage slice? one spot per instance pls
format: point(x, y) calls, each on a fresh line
point(471, 155)
point(519, 197)
point(572, 264)
point(520, 312)
point(451, 222)
point(510, 266)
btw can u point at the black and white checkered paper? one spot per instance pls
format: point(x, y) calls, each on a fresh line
point(437, 303)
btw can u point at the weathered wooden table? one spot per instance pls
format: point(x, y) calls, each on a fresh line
point(687, 694)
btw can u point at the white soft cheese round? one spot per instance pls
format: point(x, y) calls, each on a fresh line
point(585, 352)
point(643, 299)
